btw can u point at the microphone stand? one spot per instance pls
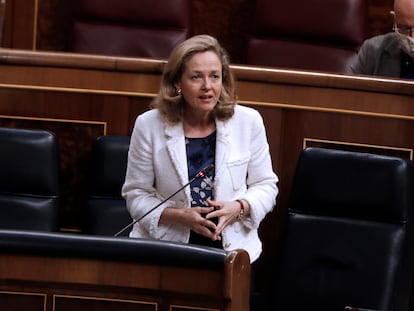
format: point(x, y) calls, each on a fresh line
point(200, 174)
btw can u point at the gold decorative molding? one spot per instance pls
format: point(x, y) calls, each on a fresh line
point(104, 299)
point(244, 102)
point(39, 295)
point(323, 109)
point(74, 90)
point(104, 124)
point(406, 153)
point(185, 308)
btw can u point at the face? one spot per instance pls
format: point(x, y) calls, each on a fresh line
point(404, 16)
point(404, 24)
point(201, 82)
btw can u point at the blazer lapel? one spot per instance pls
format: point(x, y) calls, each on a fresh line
point(221, 146)
point(178, 154)
point(176, 150)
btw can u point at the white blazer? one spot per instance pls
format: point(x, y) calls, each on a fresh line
point(157, 167)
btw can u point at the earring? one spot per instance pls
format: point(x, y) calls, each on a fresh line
point(178, 91)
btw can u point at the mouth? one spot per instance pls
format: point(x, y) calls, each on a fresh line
point(205, 97)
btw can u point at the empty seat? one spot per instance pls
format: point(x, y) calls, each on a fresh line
point(349, 233)
point(105, 211)
point(29, 180)
point(320, 35)
point(144, 28)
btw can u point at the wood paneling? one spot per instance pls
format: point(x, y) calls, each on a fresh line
point(20, 28)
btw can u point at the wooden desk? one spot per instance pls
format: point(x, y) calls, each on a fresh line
point(45, 272)
point(81, 96)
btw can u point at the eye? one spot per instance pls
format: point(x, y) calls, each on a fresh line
point(216, 77)
point(404, 29)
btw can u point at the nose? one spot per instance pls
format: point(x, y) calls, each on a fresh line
point(206, 84)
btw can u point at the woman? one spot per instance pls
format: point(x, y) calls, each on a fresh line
point(196, 123)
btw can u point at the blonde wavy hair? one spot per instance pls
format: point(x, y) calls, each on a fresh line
point(170, 103)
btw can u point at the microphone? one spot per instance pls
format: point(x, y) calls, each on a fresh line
point(200, 174)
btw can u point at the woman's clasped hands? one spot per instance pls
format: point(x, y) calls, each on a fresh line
point(210, 221)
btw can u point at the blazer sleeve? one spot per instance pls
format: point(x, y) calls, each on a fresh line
point(261, 180)
point(138, 189)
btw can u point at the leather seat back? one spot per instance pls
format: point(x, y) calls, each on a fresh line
point(349, 235)
point(320, 35)
point(106, 212)
point(144, 28)
point(30, 191)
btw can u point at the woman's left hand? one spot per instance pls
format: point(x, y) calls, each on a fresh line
point(225, 211)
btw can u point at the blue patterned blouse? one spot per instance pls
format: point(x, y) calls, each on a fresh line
point(200, 154)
